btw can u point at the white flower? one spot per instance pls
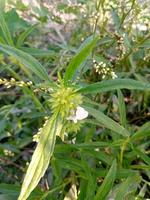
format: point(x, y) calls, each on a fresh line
point(80, 114)
point(113, 75)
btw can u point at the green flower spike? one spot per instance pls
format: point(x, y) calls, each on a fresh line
point(65, 100)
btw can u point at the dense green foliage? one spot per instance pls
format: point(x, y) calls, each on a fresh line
point(74, 100)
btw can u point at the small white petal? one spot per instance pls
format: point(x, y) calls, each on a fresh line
point(81, 113)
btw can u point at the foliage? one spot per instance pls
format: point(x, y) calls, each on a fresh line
point(75, 80)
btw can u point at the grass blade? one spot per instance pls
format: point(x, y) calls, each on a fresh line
point(127, 186)
point(122, 109)
point(38, 52)
point(143, 131)
point(107, 184)
point(27, 60)
point(24, 35)
point(143, 156)
point(41, 157)
point(5, 29)
point(109, 85)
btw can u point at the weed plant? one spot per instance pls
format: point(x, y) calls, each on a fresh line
point(74, 100)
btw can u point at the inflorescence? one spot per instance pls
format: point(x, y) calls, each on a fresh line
point(8, 83)
point(65, 100)
point(12, 82)
point(104, 70)
point(36, 137)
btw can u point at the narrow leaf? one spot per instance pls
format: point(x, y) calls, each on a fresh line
point(106, 186)
point(107, 122)
point(27, 60)
point(80, 57)
point(122, 109)
point(24, 35)
point(13, 190)
point(41, 157)
point(109, 85)
point(143, 131)
point(116, 19)
point(38, 52)
point(5, 29)
point(100, 155)
point(146, 43)
point(143, 156)
point(127, 186)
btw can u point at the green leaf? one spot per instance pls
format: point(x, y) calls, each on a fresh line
point(5, 29)
point(120, 174)
point(9, 189)
point(27, 60)
point(143, 131)
point(143, 156)
point(116, 19)
point(12, 191)
point(91, 184)
point(80, 57)
point(91, 145)
point(2, 4)
point(24, 35)
point(41, 157)
point(15, 22)
point(83, 189)
point(107, 122)
point(105, 40)
point(146, 43)
point(127, 186)
point(100, 155)
point(72, 164)
point(107, 183)
point(38, 52)
point(122, 108)
point(109, 85)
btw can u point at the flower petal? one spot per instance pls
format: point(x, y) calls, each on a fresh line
point(81, 113)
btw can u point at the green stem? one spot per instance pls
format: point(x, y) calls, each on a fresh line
point(96, 21)
point(123, 147)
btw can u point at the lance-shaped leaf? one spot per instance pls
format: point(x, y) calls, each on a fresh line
point(24, 35)
point(27, 60)
point(128, 186)
point(41, 157)
point(109, 85)
point(5, 29)
point(144, 131)
point(82, 54)
point(143, 155)
point(38, 52)
point(122, 108)
point(106, 186)
point(107, 121)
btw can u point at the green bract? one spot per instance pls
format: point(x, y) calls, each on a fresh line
point(65, 100)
